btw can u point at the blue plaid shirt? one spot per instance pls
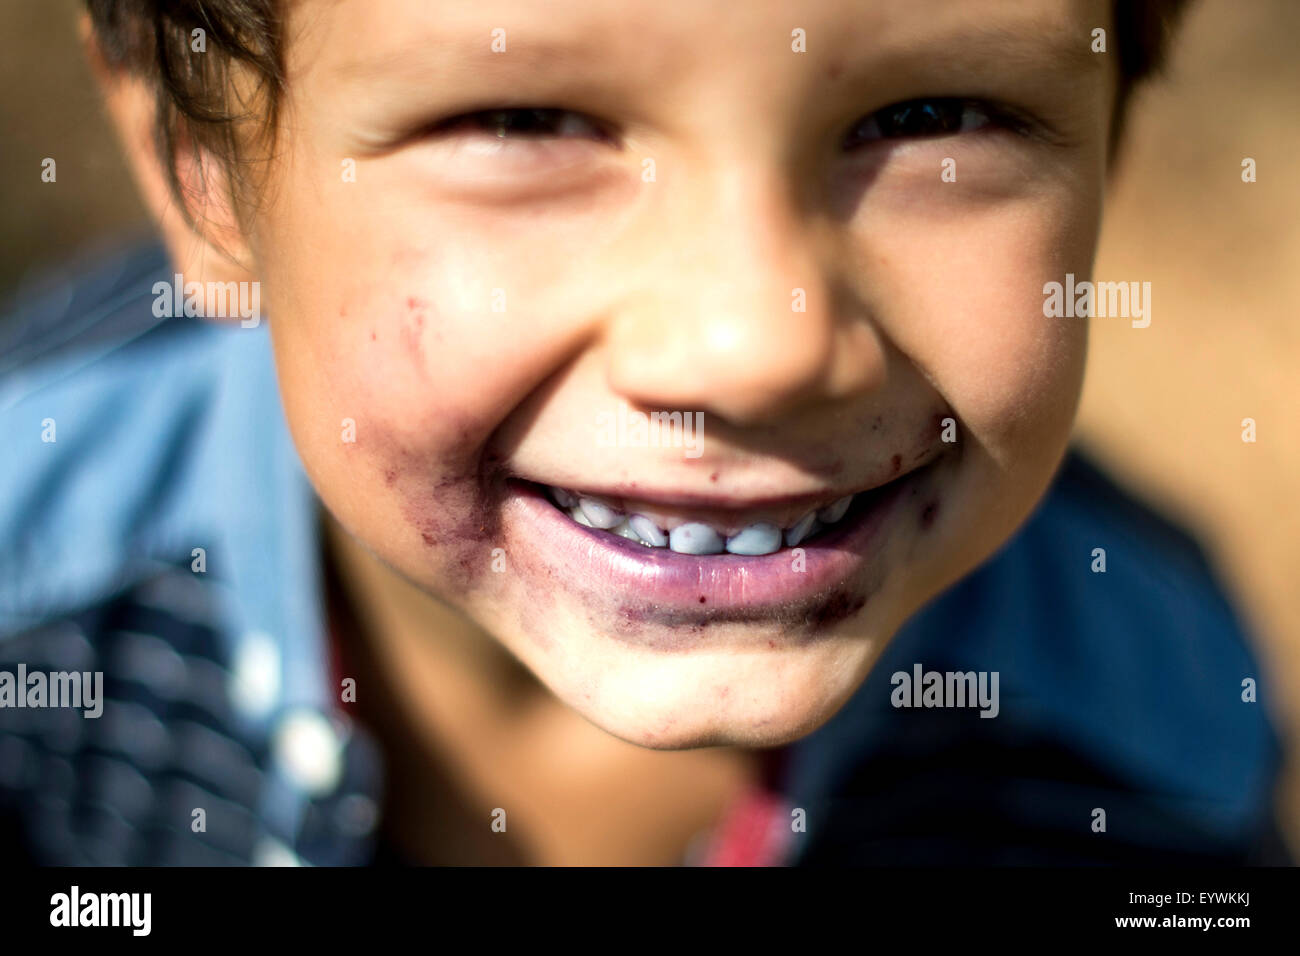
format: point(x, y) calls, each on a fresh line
point(223, 741)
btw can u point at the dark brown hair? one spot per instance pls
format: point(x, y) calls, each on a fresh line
point(198, 104)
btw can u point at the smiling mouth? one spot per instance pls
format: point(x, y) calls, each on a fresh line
point(730, 564)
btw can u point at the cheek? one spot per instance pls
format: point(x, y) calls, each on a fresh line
point(395, 446)
point(436, 328)
point(394, 370)
point(379, 362)
point(965, 303)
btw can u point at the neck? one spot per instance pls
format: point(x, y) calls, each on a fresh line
point(452, 673)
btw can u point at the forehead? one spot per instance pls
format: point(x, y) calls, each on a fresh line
point(451, 40)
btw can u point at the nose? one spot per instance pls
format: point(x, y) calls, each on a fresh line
point(741, 310)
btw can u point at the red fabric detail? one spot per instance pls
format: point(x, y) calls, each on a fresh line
point(753, 833)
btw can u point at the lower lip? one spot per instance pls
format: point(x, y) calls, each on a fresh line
point(659, 585)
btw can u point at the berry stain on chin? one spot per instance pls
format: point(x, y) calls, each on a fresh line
point(661, 629)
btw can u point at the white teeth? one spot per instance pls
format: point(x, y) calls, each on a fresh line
point(802, 528)
point(624, 530)
point(759, 538)
point(648, 531)
point(599, 514)
point(695, 538)
point(834, 512)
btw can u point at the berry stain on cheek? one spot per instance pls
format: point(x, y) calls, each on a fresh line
point(412, 333)
point(448, 497)
point(419, 333)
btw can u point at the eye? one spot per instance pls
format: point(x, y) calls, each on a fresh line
point(517, 153)
point(525, 123)
point(926, 118)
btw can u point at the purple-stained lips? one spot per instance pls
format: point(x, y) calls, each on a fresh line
point(675, 570)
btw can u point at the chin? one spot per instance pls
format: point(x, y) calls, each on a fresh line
point(760, 688)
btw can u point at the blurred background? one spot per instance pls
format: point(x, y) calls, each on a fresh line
point(1162, 406)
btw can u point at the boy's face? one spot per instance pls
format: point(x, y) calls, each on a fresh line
point(479, 297)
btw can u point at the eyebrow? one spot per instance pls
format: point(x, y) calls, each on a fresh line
point(974, 59)
point(1073, 52)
